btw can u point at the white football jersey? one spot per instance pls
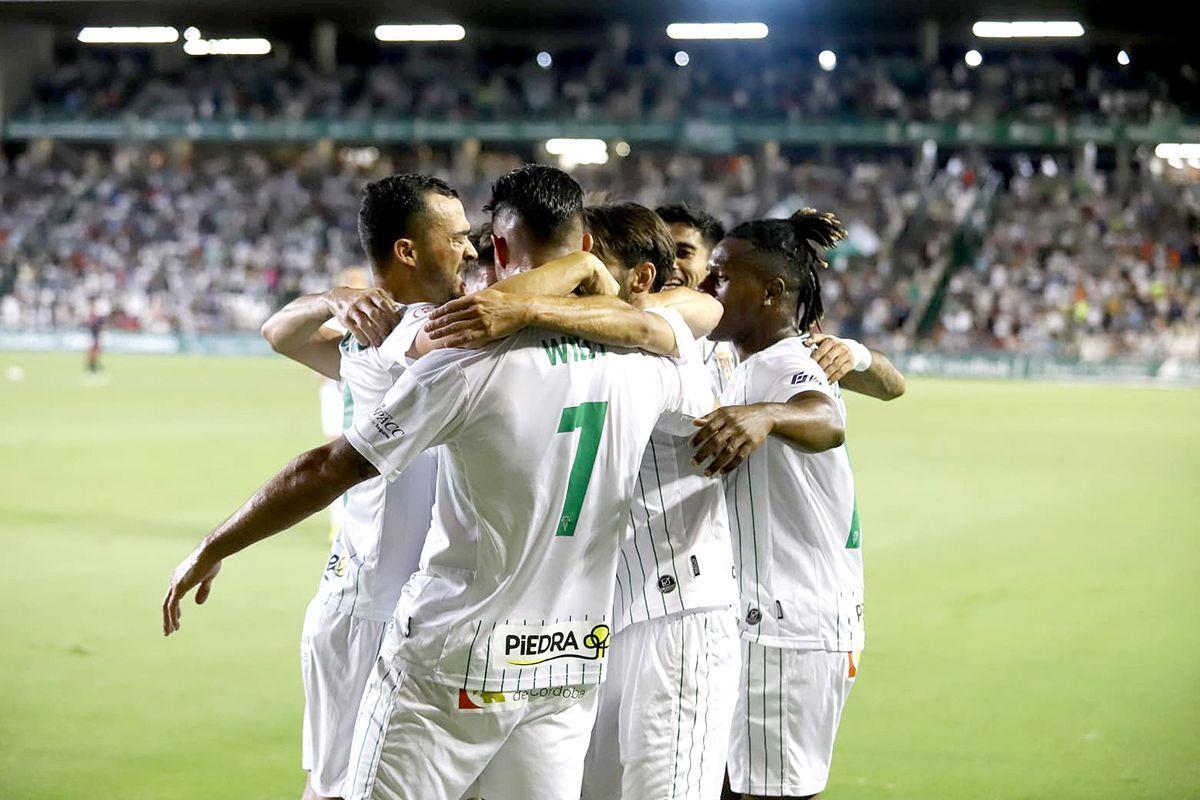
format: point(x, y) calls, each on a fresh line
point(542, 437)
point(794, 519)
point(721, 360)
point(678, 557)
point(378, 544)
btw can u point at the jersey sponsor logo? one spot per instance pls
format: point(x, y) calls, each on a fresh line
point(803, 377)
point(482, 702)
point(336, 565)
point(420, 311)
point(531, 645)
point(470, 702)
point(562, 349)
point(385, 424)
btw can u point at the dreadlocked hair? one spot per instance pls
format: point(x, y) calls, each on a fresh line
point(800, 243)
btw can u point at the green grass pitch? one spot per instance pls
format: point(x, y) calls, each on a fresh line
point(1033, 560)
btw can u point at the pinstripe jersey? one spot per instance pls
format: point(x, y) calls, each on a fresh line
point(384, 524)
point(678, 556)
point(721, 359)
point(794, 519)
point(541, 437)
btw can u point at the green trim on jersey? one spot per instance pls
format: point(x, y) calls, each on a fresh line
point(854, 542)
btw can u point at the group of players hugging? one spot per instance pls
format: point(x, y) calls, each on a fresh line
point(599, 535)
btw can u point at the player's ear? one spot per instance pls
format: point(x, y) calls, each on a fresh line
point(500, 244)
point(405, 251)
point(643, 277)
point(773, 290)
point(587, 242)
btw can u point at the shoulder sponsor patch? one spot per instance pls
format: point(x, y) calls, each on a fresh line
point(803, 377)
point(533, 645)
point(385, 424)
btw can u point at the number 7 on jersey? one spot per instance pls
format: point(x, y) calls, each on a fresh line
point(588, 418)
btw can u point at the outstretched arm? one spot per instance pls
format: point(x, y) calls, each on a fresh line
point(298, 329)
point(309, 483)
point(842, 358)
point(809, 421)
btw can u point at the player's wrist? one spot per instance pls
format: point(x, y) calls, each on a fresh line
point(859, 354)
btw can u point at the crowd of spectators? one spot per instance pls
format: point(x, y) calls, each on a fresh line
point(1076, 264)
point(177, 240)
point(613, 82)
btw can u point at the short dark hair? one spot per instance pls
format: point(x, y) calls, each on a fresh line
point(388, 208)
point(546, 199)
point(629, 234)
point(795, 241)
point(711, 229)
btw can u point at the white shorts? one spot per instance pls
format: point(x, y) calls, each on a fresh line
point(662, 729)
point(337, 654)
point(788, 708)
point(416, 738)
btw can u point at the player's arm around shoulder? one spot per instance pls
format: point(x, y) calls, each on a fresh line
point(701, 312)
point(298, 330)
point(601, 317)
point(798, 408)
point(857, 367)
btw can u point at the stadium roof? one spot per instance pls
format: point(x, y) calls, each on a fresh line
point(847, 20)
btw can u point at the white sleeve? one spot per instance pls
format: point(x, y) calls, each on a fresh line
point(420, 411)
point(400, 340)
point(792, 374)
point(679, 406)
point(685, 342)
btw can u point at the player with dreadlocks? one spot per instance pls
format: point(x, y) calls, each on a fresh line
point(779, 439)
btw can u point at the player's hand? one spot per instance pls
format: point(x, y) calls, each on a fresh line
point(729, 435)
point(833, 356)
point(369, 314)
point(599, 281)
point(194, 572)
point(479, 318)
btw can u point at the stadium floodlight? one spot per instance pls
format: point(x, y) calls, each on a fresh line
point(545, 60)
point(227, 47)
point(1123, 58)
point(973, 58)
point(127, 35)
point(682, 59)
point(191, 33)
point(572, 152)
point(717, 30)
point(1169, 150)
point(1027, 30)
point(827, 59)
point(420, 33)
point(622, 148)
